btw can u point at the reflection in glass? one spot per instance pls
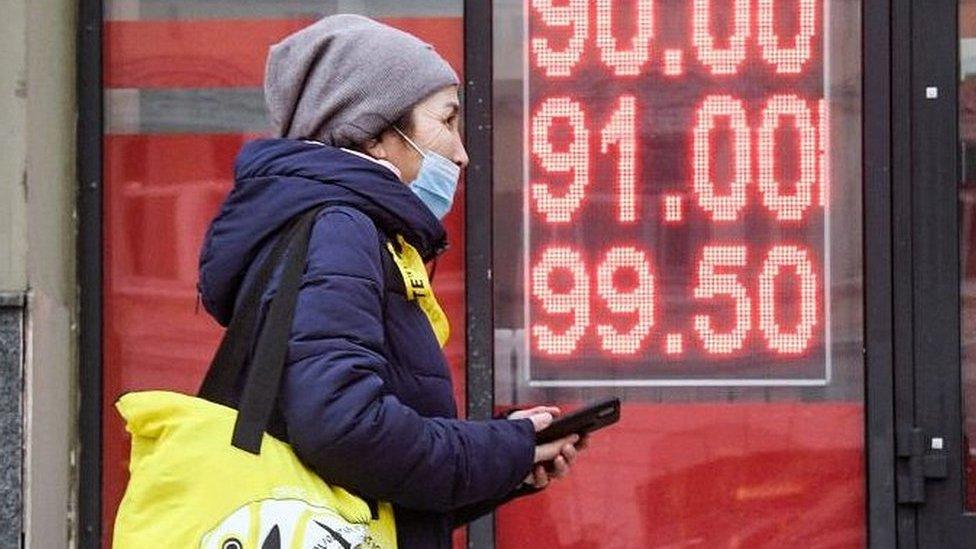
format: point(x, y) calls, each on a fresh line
point(967, 237)
point(183, 93)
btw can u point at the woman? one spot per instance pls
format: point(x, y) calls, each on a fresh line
point(367, 118)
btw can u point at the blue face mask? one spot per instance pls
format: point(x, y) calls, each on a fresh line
point(436, 181)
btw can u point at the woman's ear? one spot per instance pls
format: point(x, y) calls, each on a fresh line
point(375, 148)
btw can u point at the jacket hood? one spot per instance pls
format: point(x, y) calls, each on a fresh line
point(277, 179)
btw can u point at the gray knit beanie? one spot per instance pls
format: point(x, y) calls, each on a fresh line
point(346, 78)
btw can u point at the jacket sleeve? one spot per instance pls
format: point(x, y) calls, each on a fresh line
point(474, 511)
point(468, 513)
point(340, 420)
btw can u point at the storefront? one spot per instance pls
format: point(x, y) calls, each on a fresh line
point(749, 219)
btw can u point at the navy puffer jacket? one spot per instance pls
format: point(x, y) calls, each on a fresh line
point(366, 399)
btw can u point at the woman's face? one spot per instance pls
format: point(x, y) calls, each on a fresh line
point(435, 128)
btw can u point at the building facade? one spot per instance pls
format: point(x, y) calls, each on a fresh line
point(750, 220)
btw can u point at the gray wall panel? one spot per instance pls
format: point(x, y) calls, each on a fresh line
point(237, 9)
point(11, 418)
point(212, 110)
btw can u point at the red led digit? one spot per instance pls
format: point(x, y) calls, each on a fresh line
point(625, 62)
point(575, 301)
point(823, 132)
point(575, 161)
point(789, 59)
point(574, 15)
point(673, 63)
point(720, 60)
point(672, 208)
point(674, 344)
point(787, 207)
point(798, 340)
point(721, 208)
point(639, 300)
point(712, 284)
point(622, 131)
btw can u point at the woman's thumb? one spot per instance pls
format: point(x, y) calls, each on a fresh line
point(541, 421)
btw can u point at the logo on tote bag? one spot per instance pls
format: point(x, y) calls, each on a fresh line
point(277, 524)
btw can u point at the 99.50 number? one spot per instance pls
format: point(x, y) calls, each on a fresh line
point(640, 301)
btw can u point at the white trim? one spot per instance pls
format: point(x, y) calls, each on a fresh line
point(804, 382)
point(385, 163)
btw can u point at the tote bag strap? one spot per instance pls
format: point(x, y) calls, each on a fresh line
point(264, 375)
point(228, 362)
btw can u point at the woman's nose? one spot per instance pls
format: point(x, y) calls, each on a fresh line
point(461, 157)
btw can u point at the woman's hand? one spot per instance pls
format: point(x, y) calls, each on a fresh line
point(561, 453)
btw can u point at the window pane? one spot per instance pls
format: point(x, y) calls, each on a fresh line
point(682, 182)
point(183, 92)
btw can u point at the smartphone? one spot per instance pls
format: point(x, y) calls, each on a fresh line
point(585, 420)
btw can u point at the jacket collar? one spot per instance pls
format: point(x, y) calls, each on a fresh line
point(364, 183)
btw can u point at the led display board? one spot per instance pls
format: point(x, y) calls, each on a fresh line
point(676, 203)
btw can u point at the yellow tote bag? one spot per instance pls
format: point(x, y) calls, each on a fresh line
point(190, 488)
point(204, 474)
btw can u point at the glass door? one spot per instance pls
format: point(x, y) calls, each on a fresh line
point(678, 222)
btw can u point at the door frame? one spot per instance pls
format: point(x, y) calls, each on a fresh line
point(928, 367)
point(877, 147)
point(89, 271)
point(478, 288)
point(480, 337)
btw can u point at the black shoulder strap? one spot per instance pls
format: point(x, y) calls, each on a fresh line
point(225, 367)
point(264, 375)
